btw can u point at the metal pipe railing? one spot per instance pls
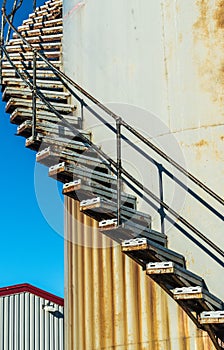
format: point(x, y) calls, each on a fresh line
point(34, 96)
point(119, 122)
point(115, 117)
point(119, 172)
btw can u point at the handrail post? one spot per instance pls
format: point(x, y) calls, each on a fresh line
point(34, 95)
point(161, 210)
point(119, 170)
point(1, 42)
point(34, 5)
point(82, 112)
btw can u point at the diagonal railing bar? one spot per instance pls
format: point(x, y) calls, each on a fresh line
point(117, 117)
point(15, 8)
point(64, 121)
point(173, 212)
point(98, 150)
point(114, 163)
point(173, 162)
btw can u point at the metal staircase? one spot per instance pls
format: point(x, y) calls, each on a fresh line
point(39, 97)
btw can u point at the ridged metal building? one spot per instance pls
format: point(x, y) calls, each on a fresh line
point(30, 319)
point(142, 176)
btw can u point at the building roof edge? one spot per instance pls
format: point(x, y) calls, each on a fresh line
point(26, 287)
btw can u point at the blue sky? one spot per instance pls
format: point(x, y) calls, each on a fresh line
point(31, 225)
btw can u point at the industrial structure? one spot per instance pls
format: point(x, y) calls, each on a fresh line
point(30, 318)
point(142, 175)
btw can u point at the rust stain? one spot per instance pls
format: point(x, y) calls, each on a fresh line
point(201, 143)
point(201, 25)
point(203, 341)
point(222, 138)
point(219, 14)
point(208, 49)
point(184, 343)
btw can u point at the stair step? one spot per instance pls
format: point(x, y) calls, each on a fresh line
point(146, 251)
point(37, 39)
point(20, 115)
point(44, 128)
point(40, 19)
point(68, 172)
point(212, 317)
point(82, 190)
point(35, 144)
point(130, 230)
point(29, 64)
point(41, 83)
point(67, 144)
point(49, 5)
point(43, 47)
point(39, 31)
point(28, 56)
point(102, 209)
point(172, 275)
point(45, 11)
point(45, 24)
point(49, 157)
point(26, 93)
point(197, 298)
point(41, 73)
point(14, 103)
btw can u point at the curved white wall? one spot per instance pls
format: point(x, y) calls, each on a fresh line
point(160, 65)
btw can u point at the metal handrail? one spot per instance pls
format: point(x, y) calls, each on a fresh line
point(119, 122)
point(116, 117)
point(118, 165)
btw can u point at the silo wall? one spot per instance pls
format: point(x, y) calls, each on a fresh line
point(159, 64)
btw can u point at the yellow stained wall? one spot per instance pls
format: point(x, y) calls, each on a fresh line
point(165, 57)
point(111, 303)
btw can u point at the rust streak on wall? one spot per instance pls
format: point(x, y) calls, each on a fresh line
point(112, 304)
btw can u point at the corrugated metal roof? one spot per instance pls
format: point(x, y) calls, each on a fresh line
point(30, 318)
point(26, 287)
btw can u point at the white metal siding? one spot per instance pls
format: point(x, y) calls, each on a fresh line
point(24, 325)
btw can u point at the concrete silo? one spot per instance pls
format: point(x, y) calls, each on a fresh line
point(159, 65)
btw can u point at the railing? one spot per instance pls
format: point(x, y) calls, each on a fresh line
point(116, 166)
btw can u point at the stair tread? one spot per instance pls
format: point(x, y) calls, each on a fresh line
point(27, 56)
point(53, 84)
point(47, 17)
point(19, 115)
point(145, 249)
point(44, 24)
point(28, 64)
point(81, 190)
point(100, 209)
point(42, 72)
point(26, 92)
point(205, 298)
point(74, 157)
point(68, 172)
point(35, 39)
point(65, 105)
point(41, 46)
point(46, 10)
point(180, 274)
point(130, 230)
point(39, 31)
